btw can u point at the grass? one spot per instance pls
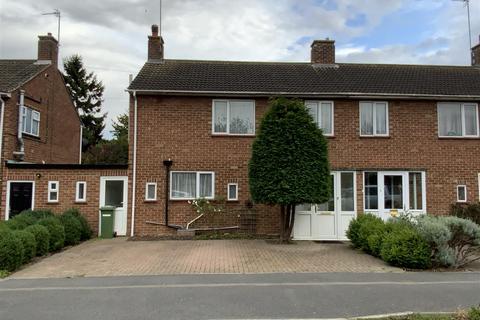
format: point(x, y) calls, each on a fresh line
point(471, 314)
point(4, 274)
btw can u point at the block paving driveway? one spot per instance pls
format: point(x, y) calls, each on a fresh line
point(119, 257)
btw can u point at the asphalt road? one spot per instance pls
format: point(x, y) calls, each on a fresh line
point(264, 296)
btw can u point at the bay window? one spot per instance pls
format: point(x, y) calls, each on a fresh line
point(457, 119)
point(373, 119)
point(236, 117)
point(322, 113)
point(191, 185)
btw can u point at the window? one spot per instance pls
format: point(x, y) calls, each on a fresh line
point(52, 191)
point(233, 117)
point(457, 119)
point(30, 121)
point(371, 191)
point(416, 191)
point(81, 191)
point(151, 191)
point(373, 119)
point(232, 190)
point(462, 193)
point(191, 185)
point(322, 113)
point(328, 206)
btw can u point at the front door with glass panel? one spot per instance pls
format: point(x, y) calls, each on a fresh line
point(113, 192)
point(329, 220)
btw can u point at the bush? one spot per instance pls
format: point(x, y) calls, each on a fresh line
point(21, 221)
point(11, 251)
point(86, 230)
point(404, 247)
point(56, 231)
point(73, 228)
point(454, 241)
point(474, 314)
point(356, 229)
point(469, 211)
point(29, 244)
point(41, 236)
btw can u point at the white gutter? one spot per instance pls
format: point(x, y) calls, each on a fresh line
point(134, 175)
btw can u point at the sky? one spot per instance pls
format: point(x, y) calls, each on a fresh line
point(111, 35)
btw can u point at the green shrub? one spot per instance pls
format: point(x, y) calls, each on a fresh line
point(21, 221)
point(354, 232)
point(56, 231)
point(474, 314)
point(86, 230)
point(11, 251)
point(371, 227)
point(73, 228)
point(404, 247)
point(29, 244)
point(42, 238)
point(469, 211)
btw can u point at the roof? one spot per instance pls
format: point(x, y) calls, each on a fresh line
point(14, 73)
point(304, 79)
point(64, 166)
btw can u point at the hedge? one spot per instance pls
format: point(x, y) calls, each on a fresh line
point(73, 228)
point(29, 244)
point(56, 231)
point(86, 232)
point(42, 238)
point(11, 250)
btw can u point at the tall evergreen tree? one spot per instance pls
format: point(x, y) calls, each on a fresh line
point(87, 95)
point(289, 164)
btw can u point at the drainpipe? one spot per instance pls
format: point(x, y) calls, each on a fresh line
point(134, 175)
point(21, 152)
point(2, 114)
point(81, 144)
point(168, 164)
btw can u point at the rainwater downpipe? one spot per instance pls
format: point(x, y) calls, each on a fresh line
point(2, 113)
point(134, 174)
point(20, 123)
point(168, 164)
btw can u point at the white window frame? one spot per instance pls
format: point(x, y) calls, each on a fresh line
point(227, 101)
point(458, 194)
point(50, 190)
point(387, 122)
point(77, 188)
point(148, 184)
point(197, 185)
point(35, 118)
point(236, 192)
point(319, 103)
point(462, 115)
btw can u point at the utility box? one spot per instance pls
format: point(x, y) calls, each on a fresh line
point(107, 216)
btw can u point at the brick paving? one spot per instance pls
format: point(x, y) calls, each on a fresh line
point(119, 257)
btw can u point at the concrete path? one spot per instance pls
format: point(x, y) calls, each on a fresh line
point(119, 257)
point(262, 296)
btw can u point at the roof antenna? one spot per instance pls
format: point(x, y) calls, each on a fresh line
point(467, 4)
point(160, 24)
point(56, 13)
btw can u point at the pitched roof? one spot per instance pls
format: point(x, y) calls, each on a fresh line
point(14, 73)
point(303, 79)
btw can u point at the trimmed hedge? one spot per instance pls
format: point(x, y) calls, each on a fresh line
point(11, 250)
point(29, 244)
point(56, 231)
point(86, 232)
point(42, 238)
point(73, 228)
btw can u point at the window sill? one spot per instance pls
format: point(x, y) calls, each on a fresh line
point(53, 202)
point(233, 135)
point(458, 138)
point(150, 201)
point(374, 137)
point(30, 136)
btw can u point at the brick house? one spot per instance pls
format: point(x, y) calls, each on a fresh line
point(40, 132)
point(402, 137)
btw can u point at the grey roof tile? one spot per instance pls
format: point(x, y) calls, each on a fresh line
point(13, 73)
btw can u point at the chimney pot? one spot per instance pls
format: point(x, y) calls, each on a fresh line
point(323, 51)
point(48, 49)
point(476, 54)
point(155, 45)
point(154, 30)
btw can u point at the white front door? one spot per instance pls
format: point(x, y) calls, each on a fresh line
point(392, 193)
point(329, 220)
point(114, 192)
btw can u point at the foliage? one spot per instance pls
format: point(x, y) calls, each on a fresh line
point(356, 229)
point(404, 247)
point(120, 127)
point(466, 211)
point(11, 251)
point(289, 164)
point(204, 206)
point(4, 274)
point(56, 231)
point(86, 231)
point(42, 238)
point(474, 314)
point(73, 228)
point(21, 221)
point(29, 244)
point(454, 241)
point(87, 95)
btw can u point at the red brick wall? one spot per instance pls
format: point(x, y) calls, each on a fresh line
point(180, 128)
point(67, 179)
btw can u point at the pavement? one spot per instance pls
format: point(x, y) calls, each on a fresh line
point(234, 296)
point(119, 257)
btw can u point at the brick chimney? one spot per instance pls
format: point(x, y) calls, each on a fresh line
point(48, 49)
point(323, 51)
point(476, 54)
point(155, 45)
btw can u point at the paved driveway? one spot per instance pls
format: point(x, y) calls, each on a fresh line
point(119, 257)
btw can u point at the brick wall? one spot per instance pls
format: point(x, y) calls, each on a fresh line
point(180, 128)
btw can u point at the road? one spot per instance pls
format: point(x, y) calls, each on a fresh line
point(260, 296)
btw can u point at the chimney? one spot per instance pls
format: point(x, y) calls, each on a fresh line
point(155, 45)
point(323, 51)
point(476, 54)
point(48, 49)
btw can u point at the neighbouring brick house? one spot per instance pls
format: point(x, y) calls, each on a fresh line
point(40, 132)
point(402, 137)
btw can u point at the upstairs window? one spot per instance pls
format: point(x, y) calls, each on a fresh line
point(373, 119)
point(191, 185)
point(322, 113)
point(52, 191)
point(236, 117)
point(30, 121)
point(457, 119)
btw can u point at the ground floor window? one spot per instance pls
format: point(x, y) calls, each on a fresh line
point(52, 191)
point(81, 191)
point(191, 185)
